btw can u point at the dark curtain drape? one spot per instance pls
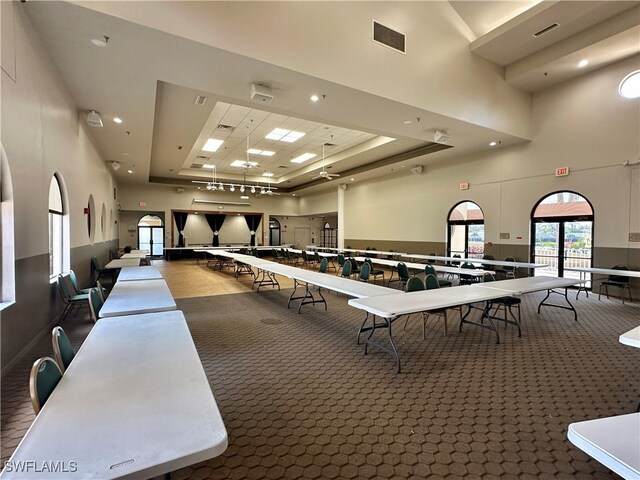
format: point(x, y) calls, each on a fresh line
point(252, 222)
point(215, 221)
point(181, 221)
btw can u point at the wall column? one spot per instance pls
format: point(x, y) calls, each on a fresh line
point(341, 190)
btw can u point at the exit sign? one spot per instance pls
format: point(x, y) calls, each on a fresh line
point(142, 204)
point(562, 171)
point(464, 186)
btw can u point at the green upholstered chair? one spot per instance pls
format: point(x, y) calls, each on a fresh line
point(468, 279)
point(504, 303)
point(374, 272)
point(45, 375)
point(431, 282)
point(324, 264)
point(485, 266)
point(365, 270)
point(341, 261)
point(95, 304)
point(355, 268)
point(78, 290)
point(616, 281)
point(98, 271)
point(414, 284)
point(72, 301)
point(62, 349)
point(429, 270)
point(346, 270)
point(403, 275)
point(505, 270)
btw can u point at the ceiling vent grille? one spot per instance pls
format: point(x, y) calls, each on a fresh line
point(329, 145)
point(388, 37)
point(225, 128)
point(546, 30)
point(200, 100)
point(282, 166)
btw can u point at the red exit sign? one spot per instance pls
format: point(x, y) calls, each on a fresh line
point(562, 171)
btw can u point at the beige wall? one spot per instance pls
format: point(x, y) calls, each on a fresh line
point(42, 133)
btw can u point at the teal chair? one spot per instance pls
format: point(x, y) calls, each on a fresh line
point(430, 270)
point(98, 271)
point(403, 276)
point(72, 301)
point(95, 304)
point(431, 282)
point(414, 284)
point(504, 303)
point(324, 263)
point(365, 269)
point(507, 271)
point(468, 279)
point(616, 281)
point(355, 268)
point(341, 261)
point(346, 270)
point(80, 291)
point(375, 272)
point(45, 375)
point(62, 349)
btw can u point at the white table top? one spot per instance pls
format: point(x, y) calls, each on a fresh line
point(128, 274)
point(519, 286)
point(134, 403)
point(123, 262)
point(476, 272)
point(606, 271)
point(142, 296)
point(503, 263)
point(133, 255)
point(411, 302)
point(312, 253)
point(146, 252)
point(612, 441)
point(631, 338)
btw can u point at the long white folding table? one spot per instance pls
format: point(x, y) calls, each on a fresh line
point(123, 262)
point(612, 441)
point(134, 403)
point(631, 338)
point(503, 263)
point(128, 274)
point(133, 254)
point(142, 296)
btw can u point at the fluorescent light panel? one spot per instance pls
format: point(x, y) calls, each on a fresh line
point(267, 174)
point(283, 135)
point(266, 153)
point(303, 158)
point(212, 145)
point(208, 165)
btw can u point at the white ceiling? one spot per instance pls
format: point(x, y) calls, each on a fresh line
point(151, 78)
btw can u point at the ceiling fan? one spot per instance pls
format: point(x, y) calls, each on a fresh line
point(323, 173)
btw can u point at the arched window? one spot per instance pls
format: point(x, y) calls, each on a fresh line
point(466, 230)
point(562, 233)
point(7, 245)
point(56, 228)
point(151, 234)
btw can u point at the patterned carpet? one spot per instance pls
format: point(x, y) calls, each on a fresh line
point(300, 400)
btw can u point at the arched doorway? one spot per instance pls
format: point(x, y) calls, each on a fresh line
point(151, 234)
point(562, 233)
point(274, 232)
point(466, 230)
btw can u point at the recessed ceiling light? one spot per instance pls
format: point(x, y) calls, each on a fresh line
point(314, 98)
point(583, 63)
point(407, 122)
point(99, 42)
point(244, 197)
point(208, 165)
point(303, 158)
point(353, 179)
point(283, 135)
point(117, 120)
point(212, 145)
point(293, 194)
point(630, 85)
point(129, 172)
point(493, 144)
point(266, 153)
point(267, 174)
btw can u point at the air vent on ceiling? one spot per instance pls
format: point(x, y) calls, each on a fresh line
point(225, 128)
point(282, 166)
point(388, 37)
point(546, 30)
point(202, 157)
point(196, 165)
point(200, 100)
point(329, 145)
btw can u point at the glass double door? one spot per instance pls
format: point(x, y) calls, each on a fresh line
point(562, 244)
point(466, 240)
point(151, 239)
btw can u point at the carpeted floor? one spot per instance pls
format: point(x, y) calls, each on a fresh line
point(300, 400)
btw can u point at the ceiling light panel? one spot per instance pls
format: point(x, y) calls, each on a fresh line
point(212, 145)
point(243, 163)
point(283, 135)
point(303, 158)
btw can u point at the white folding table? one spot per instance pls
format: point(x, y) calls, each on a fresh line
point(612, 441)
point(142, 296)
point(123, 262)
point(128, 274)
point(631, 338)
point(134, 403)
point(601, 271)
point(132, 254)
